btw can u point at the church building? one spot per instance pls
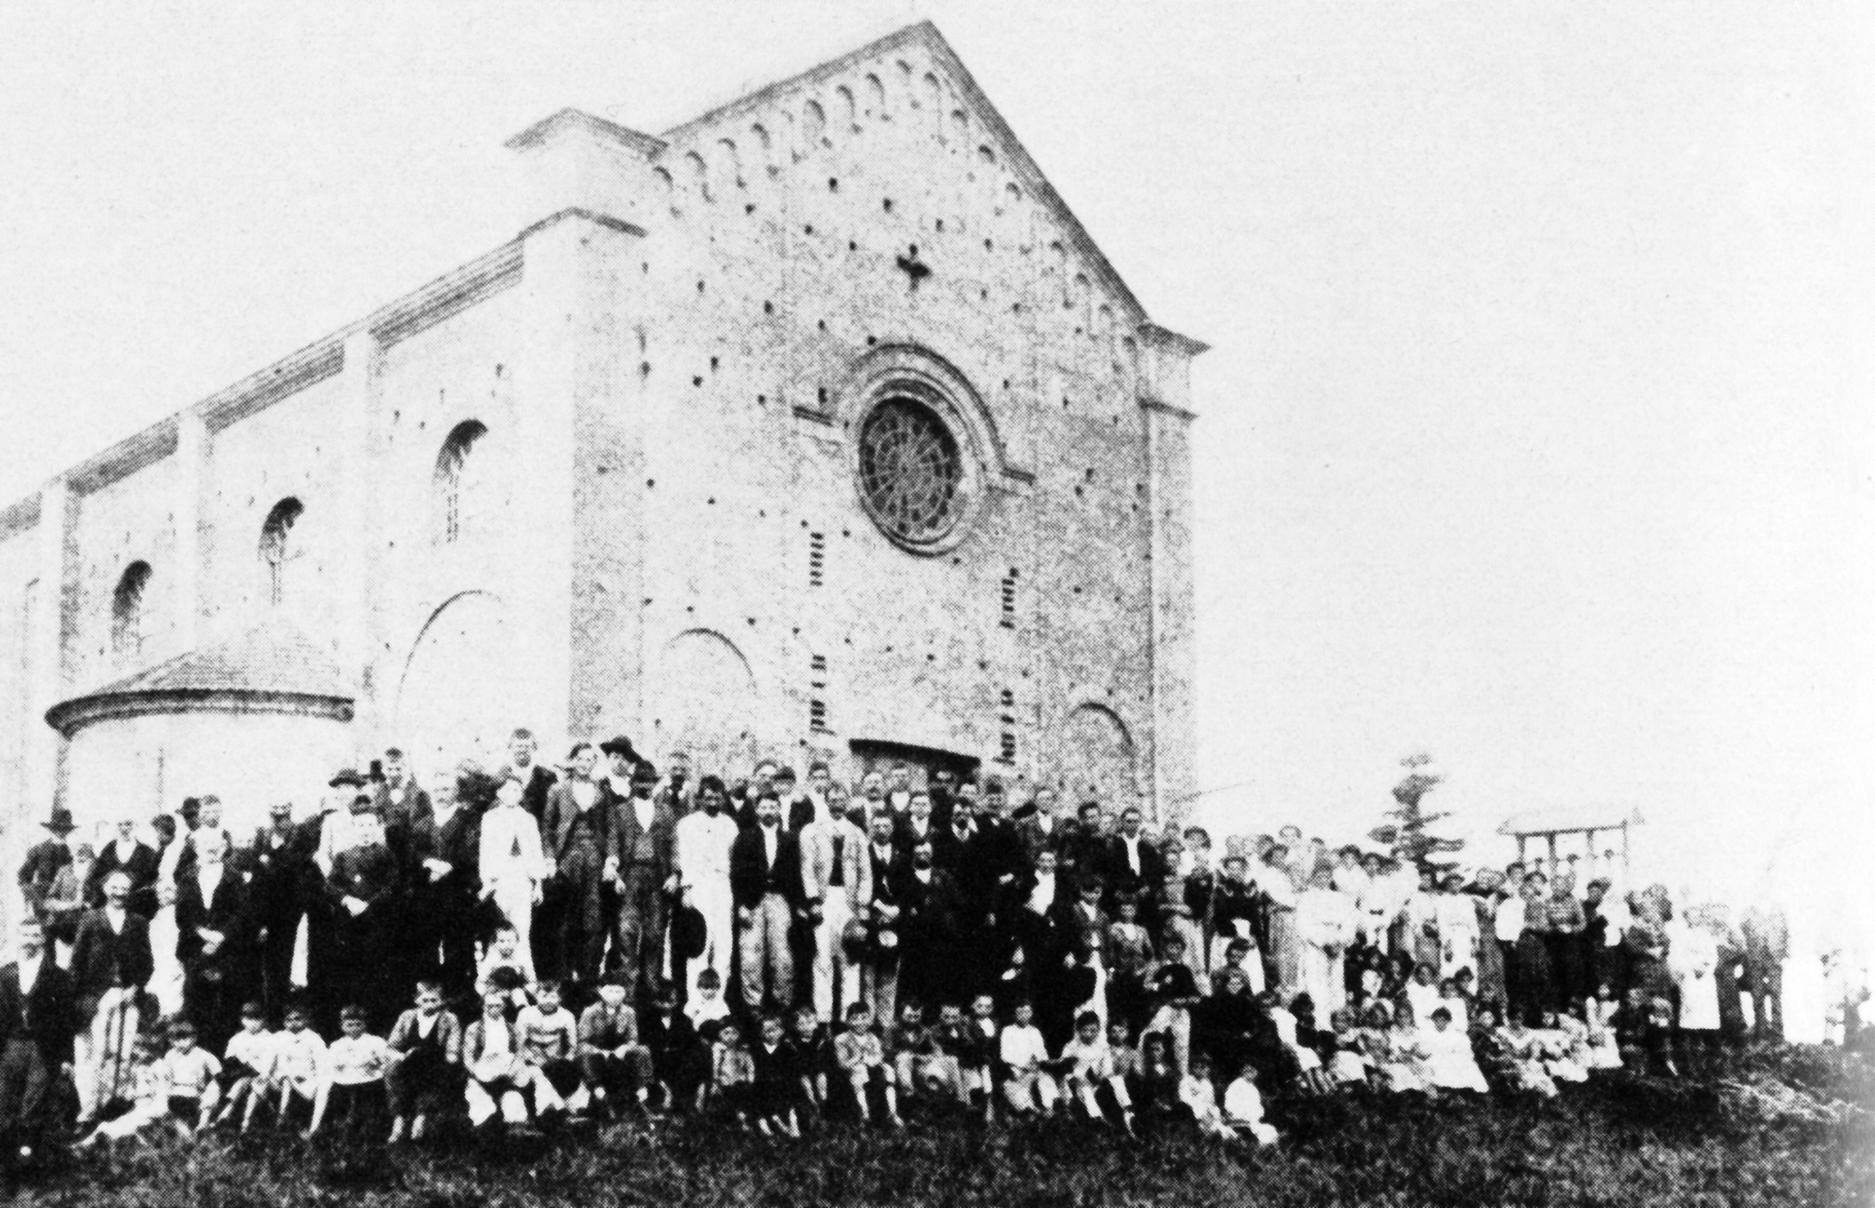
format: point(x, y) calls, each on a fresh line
point(815, 427)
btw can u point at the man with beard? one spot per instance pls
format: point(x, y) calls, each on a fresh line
point(641, 860)
point(134, 857)
point(928, 931)
point(765, 879)
point(676, 792)
point(111, 963)
point(443, 848)
point(36, 1021)
point(363, 888)
point(703, 841)
point(838, 879)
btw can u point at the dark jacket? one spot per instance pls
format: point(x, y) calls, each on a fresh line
point(625, 833)
point(48, 1016)
point(141, 867)
point(231, 912)
point(103, 958)
point(1119, 871)
point(751, 876)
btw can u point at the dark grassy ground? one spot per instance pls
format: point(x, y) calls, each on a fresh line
point(1622, 1142)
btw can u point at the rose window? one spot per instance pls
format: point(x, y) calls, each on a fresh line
point(910, 471)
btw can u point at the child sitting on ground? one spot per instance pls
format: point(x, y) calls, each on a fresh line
point(244, 1067)
point(299, 1060)
point(1089, 1077)
point(778, 1076)
point(1243, 1108)
point(549, 1038)
point(1126, 1062)
point(732, 1073)
point(1197, 1096)
point(1604, 1050)
point(427, 1075)
point(956, 1045)
point(150, 1086)
point(816, 1057)
point(860, 1055)
point(1029, 1090)
point(979, 1060)
point(1347, 1064)
point(1296, 1027)
point(498, 1079)
point(615, 1067)
point(352, 1092)
point(1422, 993)
point(1172, 992)
point(1449, 1063)
point(914, 1050)
point(1455, 1004)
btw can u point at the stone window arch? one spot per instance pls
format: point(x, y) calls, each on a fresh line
point(277, 549)
point(128, 613)
point(458, 482)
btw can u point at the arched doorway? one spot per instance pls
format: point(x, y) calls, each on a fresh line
point(450, 703)
point(1094, 758)
point(706, 703)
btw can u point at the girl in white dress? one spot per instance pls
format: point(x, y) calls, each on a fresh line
point(1450, 1065)
point(1325, 922)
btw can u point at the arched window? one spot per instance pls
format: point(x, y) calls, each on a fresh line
point(127, 612)
point(276, 546)
point(456, 481)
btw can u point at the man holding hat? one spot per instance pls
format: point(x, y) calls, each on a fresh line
point(837, 876)
point(703, 840)
point(45, 860)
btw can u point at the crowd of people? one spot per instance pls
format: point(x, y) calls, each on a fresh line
point(531, 945)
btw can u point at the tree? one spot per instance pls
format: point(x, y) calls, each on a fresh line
point(1408, 833)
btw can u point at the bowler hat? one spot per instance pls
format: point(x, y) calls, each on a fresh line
point(689, 933)
point(346, 778)
point(618, 744)
point(60, 823)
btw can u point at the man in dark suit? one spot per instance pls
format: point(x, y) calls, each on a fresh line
point(765, 883)
point(135, 857)
point(536, 781)
point(214, 906)
point(364, 887)
point(37, 1016)
point(111, 963)
point(276, 863)
point(45, 860)
point(886, 863)
point(928, 932)
point(642, 858)
point(442, 847)
point(1084, 848)
point(399, 798)
point(915, 825)
point(1132, 862)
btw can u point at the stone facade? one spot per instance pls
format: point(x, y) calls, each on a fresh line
point(605, 478)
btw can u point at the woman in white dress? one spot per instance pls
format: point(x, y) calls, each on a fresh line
point(1692, 958)
point(1456, 915)
point(1325, 923)
point(166, 982)
point(1285, 950)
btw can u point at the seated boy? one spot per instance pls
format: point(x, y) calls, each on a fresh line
point(352, 1092)
point(1028, 1088)
point(707, 1005)
point(1243, 1108)
point(816, 1055)
point(244, 1067)
point(428, 1074)
point(778, 1075)
point(914, 1048)
point(614, 1066)
point(1089, 1074)
point(505, 968)
point(732, 1073)
point(498, 1079)
point(299, 1060)
point(549, 1038)
point(150, 1083)
point(956, 1045)
point(194, 1080)
point(860, 1055)
point(680, 1060)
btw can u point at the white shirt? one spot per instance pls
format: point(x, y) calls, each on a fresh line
point(645, 809)
point(209, 878)
point(1510, 919)
point(1132, 851)
point(703, 843)
point(1242, 1103)
point(29, 974)
point(1042, 898)
point(510, 845)
point(771, 837)
point(1022, 1047)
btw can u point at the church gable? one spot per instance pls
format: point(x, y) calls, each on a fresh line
point(904, 119)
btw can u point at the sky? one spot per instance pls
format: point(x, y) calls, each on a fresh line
point(1535, 432)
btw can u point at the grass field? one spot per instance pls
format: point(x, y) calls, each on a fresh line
point(1623, 1142)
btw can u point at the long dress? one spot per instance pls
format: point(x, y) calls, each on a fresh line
point(1732, 1023)
point(1490, 956)
point(1457, 918)
point(1692, 958)
point(1325, 922)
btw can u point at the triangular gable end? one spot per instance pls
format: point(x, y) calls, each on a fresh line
point(1014, 157)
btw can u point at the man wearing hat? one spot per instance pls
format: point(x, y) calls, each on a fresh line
point(45, 860)
point(643, 867)
point(837, 876)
